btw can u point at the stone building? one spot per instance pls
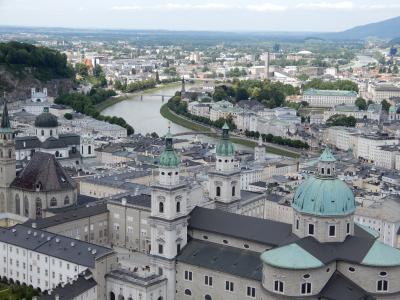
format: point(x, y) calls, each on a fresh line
point(42, 185)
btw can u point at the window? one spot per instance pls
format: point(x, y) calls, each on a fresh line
point(218, 192)
point(207, 297)
point(278, 286)
point(348, 228)
point(161, 207)
point(188, 275)
point(229, 286)
point(332, 230)
point(160, 249)
point(178, 206)
point(382, 286)
point(233, 191)
point(178, 248)
point(51, 132)
point(188, 292)
point(42, 132)
point(322, 171)
point(251, 292)
point(297, 224)
point(208, 280)
point(66, 200)
point(311, 229)
point(383, 274)
point(351, 269)
point(306, 288)
point(53, 202)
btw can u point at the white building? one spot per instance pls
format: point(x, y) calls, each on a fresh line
point(329, 98)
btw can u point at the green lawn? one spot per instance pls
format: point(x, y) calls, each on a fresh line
point(16, 292)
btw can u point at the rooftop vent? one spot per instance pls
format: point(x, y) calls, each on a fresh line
point(57, 240)
point(72, 244)
point(14, 230)
point(35, 233)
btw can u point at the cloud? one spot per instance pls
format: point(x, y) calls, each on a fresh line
point(266, 7)
point(343, 5)
point(135, 7)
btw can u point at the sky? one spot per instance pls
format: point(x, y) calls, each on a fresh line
point(214, 15)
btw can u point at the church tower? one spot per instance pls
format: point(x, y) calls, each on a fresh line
point(169, 216)
point(7, 160)
point(259, 151)
point(224, 180)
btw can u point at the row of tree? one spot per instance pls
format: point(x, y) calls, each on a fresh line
point(341, 120)
point(270, 138)
point(176, 105)
point(135, 86)
point(319, 84)
point(86, 104)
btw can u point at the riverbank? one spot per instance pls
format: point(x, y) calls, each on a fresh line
point(171, 116)
point(114, 100)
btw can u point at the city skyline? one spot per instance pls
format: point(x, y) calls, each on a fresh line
point(220, 15)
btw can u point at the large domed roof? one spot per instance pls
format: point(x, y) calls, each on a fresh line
point(46, 120)
point(324, 194)
point(324, 197)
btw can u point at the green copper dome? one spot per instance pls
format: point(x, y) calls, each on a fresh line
point(169, 158)
point(225, 146)
point(324, 194)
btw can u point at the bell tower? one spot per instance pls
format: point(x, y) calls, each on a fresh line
point(224, 180)
point(7, 159)
point(169, 216)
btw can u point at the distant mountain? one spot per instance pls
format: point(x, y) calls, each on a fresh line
point(388, 29)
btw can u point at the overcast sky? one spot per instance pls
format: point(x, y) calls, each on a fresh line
point(231, 15)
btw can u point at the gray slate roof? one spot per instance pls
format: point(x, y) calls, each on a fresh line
point(72, 250)
point(71, 290)
point(239, 262)
point(63, 141)
point(69, 216)
point(244, 227)
point(44, 170)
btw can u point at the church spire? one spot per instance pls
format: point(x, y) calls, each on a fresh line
point(5, 119)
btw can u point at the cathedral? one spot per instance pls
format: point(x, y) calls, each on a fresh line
point(216, 253)
point(40, 187)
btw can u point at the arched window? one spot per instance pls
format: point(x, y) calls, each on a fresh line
point(161, 207)
point(53, 202)
point(322, 171)
point(9, 153)
point(328, 171)
point(51, 132)
point(42, 132)
point(38, 208)
point(306, 288)
point(57, 153)
point(382, 285)
point(89, 149)
point(26, 207)
point(178, 206)
point(17, 205)
point(233, 191)
point(188, 292)
point(66, 200)
point(207, 297)
point(218, 191)
point(112, 296)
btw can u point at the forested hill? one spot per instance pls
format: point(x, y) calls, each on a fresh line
point(23, 66)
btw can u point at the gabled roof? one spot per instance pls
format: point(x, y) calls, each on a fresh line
point(339, 287)
point(45, 173)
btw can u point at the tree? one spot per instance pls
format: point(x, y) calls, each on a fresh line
point(68, 116)
point(385, 105)
point(219, 94)
point(241, 94)
point(157, 77)
point(361, 103)
point(341, 120)
point(395, 69)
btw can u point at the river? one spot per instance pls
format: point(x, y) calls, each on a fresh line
point(143, 114)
